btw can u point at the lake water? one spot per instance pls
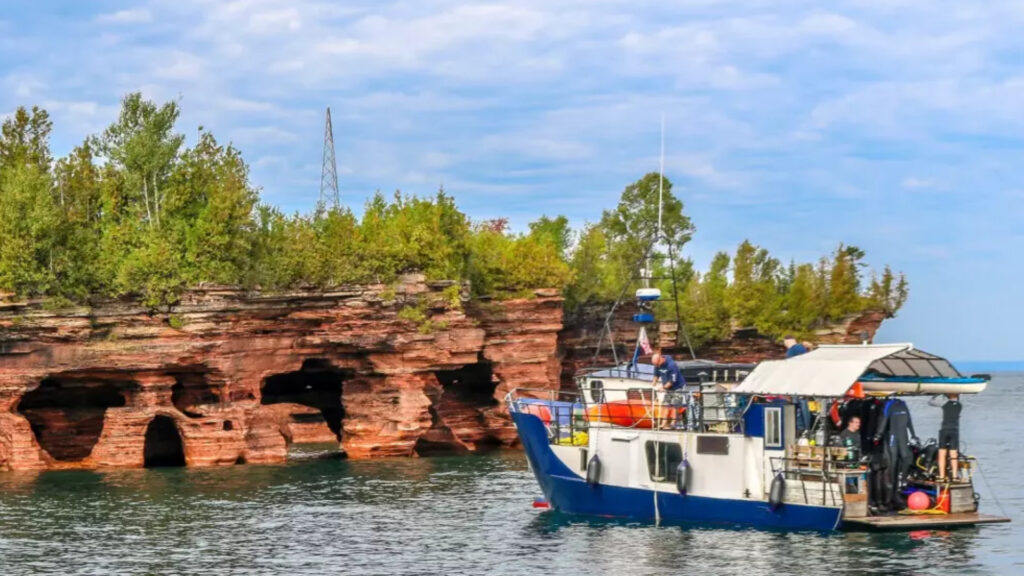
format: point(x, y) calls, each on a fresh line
point(460, 515)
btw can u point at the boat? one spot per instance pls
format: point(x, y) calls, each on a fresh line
point(735, 454)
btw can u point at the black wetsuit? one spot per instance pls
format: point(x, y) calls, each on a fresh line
point(949, 432)
point(895, 429)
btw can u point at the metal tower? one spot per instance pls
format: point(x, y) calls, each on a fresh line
point(329, 173)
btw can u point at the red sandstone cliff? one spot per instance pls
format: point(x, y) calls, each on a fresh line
point(227, 376)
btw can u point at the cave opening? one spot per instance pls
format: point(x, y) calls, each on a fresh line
point(317, 384)
point(191, 392)
point(457, 408)
point(163, 445)
point(66, 413)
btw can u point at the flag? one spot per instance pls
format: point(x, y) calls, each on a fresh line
point(643, 342)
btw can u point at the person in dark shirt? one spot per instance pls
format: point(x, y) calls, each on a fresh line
point(949, 436)
point(668, 376)
point(793, 348)
point(850, 437)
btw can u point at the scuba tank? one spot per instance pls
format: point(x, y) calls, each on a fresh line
point(682, 476)
point(594, 470)
point(777, 492)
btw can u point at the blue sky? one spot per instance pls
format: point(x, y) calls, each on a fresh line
point(894, 125)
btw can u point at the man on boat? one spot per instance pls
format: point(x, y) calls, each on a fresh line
point(949, 437)
point(793, 348)
point(671, 380)
point(850, 437)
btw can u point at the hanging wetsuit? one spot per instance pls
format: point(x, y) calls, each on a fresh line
point(871, 410)
point(895, 429)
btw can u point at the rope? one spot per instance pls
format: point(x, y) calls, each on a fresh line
point(990, 490)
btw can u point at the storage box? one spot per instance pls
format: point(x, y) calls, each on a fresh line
point(961, 499)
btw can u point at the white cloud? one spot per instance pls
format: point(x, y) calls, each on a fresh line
point(918, 183)
point(133, 16)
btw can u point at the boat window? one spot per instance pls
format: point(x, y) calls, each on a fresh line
point(597, 391)
point(663, 459)
point(773, 427)
point(713, 445)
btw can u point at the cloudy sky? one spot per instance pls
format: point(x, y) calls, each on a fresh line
point(894, 125)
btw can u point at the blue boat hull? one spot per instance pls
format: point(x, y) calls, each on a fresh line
point(567, 492)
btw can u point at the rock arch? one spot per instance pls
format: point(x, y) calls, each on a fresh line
point(163, 444)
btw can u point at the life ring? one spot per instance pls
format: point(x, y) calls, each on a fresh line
point(777, 492)
point(593, 470)
point(682, 476)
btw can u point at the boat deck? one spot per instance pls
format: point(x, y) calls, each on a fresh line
point(921, 522)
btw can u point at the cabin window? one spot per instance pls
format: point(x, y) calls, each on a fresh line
point(663, 460)
point(597, 391)
point(718, 445)
point(773, 427)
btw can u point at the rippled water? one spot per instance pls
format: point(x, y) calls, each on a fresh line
point(460, 515)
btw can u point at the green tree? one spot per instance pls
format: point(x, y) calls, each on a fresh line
point(28, 216)
point(553, 231)
point(25, 139)
point(209, 209)
point(143, 146)
point(592, 278)
point(703, 305)
point(844, 282)
point(888, 293)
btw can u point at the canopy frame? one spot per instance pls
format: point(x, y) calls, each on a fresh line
point(831, 370)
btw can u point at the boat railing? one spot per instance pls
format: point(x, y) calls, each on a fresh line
point(802, 472)
point(643, 406)
point(570, 417)
point(706, 375)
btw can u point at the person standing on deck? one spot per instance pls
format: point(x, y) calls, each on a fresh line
point(949, 437)
point(668, 376)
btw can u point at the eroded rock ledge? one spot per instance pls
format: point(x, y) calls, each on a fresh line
point(228, 376)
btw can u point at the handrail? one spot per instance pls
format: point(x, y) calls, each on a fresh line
point(618, 407)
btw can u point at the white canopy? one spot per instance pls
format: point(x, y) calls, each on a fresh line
point(825, 371)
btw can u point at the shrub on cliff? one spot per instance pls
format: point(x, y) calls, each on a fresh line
point(503, 264)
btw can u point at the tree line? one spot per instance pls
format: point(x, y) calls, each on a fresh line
point(134, 212)
point(747, 289)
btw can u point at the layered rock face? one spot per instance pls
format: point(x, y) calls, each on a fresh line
point(228, 376)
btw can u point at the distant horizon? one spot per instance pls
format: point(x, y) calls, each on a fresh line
point(990, 365)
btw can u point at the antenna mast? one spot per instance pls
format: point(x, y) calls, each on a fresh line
point(661, 177)
point(329, 173)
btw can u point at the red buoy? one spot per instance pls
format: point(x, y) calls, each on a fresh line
point(918, 501)
point(541, 503)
